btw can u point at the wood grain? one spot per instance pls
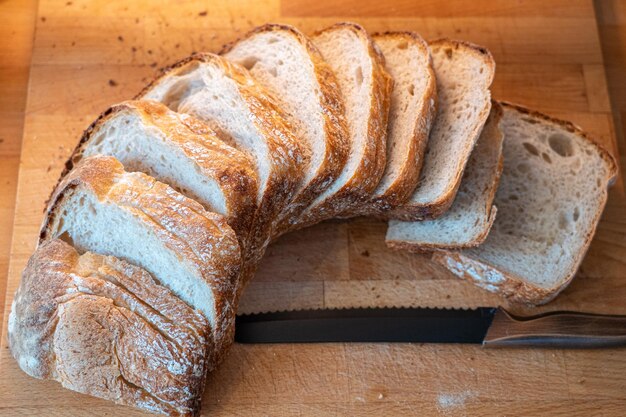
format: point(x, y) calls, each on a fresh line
point(90, 54)
point(17, 24)
point(401, 8)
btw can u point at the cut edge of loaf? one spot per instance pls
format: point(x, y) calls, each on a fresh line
point(510, 285)
point(414, 211)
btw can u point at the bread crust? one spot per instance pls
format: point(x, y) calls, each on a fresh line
point(335, 125)
point(286, 153)
point(399, 191)
point(202, 238)
point(509, 285)
point(231, 169)
point(358, 189)
point(103, 327)
point(412, 211)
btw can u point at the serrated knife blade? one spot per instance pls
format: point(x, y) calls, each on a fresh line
point(490, 326)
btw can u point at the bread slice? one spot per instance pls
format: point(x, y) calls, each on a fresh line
point(551, 195)
point(287, 63)
point(470, 217)
point(100, 208)
point(412, 112)
point(180, 151)
point(464, 73)
point(103, 327)
point(246, 116)
point(366, 90)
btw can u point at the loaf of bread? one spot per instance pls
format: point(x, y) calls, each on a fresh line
point(104, 327)
point(169, 201)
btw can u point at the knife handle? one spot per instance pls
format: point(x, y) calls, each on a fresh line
point(560, 329)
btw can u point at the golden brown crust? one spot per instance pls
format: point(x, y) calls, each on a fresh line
point(357, 190)
point(511, 286)
point(286, 154)
point(335, 126)
point(231, 169)
point(399, 191)
point(411, 211)
point(101, 326)
point(202, 239)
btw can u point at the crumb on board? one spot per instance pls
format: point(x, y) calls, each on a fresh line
point(112, 83)
point(454, 400)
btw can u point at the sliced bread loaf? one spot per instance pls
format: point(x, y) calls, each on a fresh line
point(470, 217)
point(413, 109)
point(464, 73)
point(178, 150)
point(551, 195)
point(246, 116)
point(101, 326)
point(99, 207)
point(366, 89)
point(287, 63)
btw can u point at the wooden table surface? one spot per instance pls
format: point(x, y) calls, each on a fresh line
point(86, 55)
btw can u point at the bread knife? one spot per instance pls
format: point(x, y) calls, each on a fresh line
point(489, 326)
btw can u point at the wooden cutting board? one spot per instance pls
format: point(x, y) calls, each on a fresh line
point(90, 54)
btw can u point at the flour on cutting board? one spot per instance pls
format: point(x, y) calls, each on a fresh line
point(454, 400)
